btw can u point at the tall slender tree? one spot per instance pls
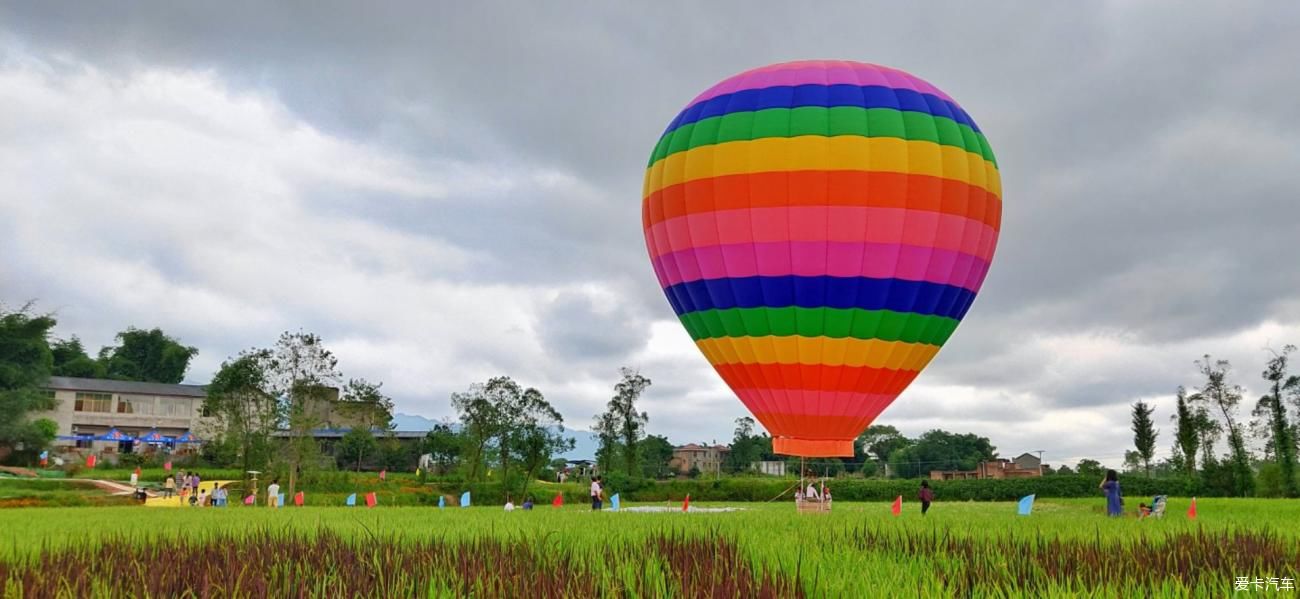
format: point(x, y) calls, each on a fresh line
point(1187, 435)
point(1221, 395)
point(1144, 434)
point(1279, 434)
point(621, 426)
point(302, 374)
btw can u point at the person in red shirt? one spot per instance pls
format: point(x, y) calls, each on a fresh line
point(926, 495)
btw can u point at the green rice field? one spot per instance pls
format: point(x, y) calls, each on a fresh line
point(1065, 548)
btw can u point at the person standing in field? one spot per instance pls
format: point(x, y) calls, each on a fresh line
point(1114, 500)
point(926, 495)
point(273, 493)
point(194, 481)
point(597, 493)
point(169, 486)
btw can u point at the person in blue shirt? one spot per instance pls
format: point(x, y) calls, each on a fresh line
point(1114, 500)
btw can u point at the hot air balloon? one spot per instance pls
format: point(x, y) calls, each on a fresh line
point(820, 228)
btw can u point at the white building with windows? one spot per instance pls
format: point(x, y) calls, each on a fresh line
point(144, 417)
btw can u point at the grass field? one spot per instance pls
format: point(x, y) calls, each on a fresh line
point(1066, 548)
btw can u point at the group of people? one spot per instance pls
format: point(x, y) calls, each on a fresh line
point(527, 505)
point(187, 486)
point(1115, 499)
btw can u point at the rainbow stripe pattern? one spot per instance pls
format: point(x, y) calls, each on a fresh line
point(820, 228)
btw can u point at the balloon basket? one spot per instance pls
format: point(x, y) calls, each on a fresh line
point(812, 507)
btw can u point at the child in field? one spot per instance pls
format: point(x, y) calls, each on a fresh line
point(273, 493)
point(1143, 511)
point(528, 502)
point(926, 495)
point(169, 486)
point(203, 499)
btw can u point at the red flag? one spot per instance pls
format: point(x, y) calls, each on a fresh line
point(686, 505)
point(90, 461)
point(897, 508)
point(370, 499)
point(297, 499)
point(383, 474)
point(1191, 511)
point(248, 500)
point(167, 465)
point(558, 501)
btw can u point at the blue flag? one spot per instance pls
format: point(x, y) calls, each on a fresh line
point(352, 499)
point(464, 499)
point(45, 455)
point(279, 500)
point(613, 503)
point(1026, 505)
point(442, 502)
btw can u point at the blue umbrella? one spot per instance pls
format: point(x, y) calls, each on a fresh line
point(114, 435)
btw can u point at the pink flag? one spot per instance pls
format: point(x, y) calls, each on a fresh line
point(167, 465)
point(897, 508)
point(371, 500)
point(248, 500)
point(383, 474)
point(298, 499)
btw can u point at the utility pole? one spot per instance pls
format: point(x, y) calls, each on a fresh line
point(1040, 462)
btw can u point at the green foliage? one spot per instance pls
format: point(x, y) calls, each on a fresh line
point(1144, 434)
point(1217, 393)
point(364, 403)
point(355, 446)
point(25, 365)
point(1187, 435)
point(746, 447)
point(621, 427)
point(150, 356)
point(71, 359)
point(1279, 434)
point(656, 452)
point(246, 410)
point(1091, 468)
point(444, 446)
point(941, 450)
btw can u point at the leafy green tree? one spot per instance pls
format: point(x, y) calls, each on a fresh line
point(1218, 393)
point(520, 412)
point(444, 446)
point(1278, 433)
point(363, 402)
point(656, 453)
point(1090, 467)
point(878, 442)
point(536, 443)
point(606, 429)
point(245, 408)
point(302, 375)
point(70, 359)
point(355, 446)
point(621, 427)
point(25, 365)
point(941, 450)
point(479, 425)
point(1144, 434)
point(1063, 471)
point(746, 447)
point(1187, 435)
point(394, 455)
point(149, 356)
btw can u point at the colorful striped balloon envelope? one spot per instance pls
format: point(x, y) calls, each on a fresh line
point(820, 228)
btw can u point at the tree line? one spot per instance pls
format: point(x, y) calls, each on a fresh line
point(1209, 413)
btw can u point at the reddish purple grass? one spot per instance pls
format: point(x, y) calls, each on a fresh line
point(1188, 559)
point(275, 564)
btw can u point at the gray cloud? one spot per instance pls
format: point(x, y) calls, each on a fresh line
point(452, 191)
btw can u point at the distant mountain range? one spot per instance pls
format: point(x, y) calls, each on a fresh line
point(585, 443)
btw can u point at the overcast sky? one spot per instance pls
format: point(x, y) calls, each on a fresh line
point(447, 191)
